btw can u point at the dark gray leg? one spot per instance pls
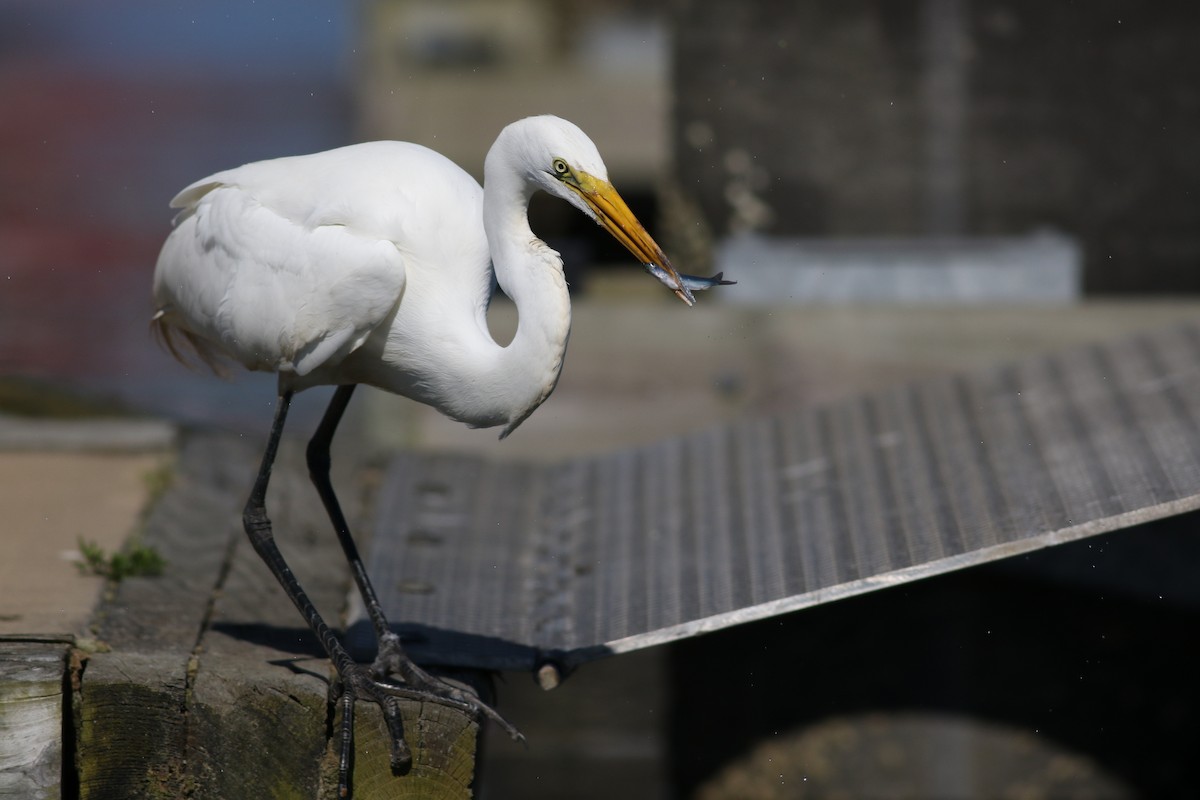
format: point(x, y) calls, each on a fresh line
point(391, 660)
point(319, 463)
point(355, 682)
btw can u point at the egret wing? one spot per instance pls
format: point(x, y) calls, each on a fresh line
point(272, 292)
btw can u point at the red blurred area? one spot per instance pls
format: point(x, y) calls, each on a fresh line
point(88, 164)
point(72, 248)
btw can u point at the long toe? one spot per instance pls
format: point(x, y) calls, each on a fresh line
point(355, 684)
point(392, 662)
point(419, 684)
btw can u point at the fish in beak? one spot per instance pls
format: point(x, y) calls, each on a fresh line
point(613, 215)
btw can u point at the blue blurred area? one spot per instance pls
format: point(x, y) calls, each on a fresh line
point(222, 39)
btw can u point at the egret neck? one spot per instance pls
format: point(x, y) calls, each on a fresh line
point(531, 274)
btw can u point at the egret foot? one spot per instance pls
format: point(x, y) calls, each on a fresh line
point(354, 683)
point(392, 661)
point(358, 682)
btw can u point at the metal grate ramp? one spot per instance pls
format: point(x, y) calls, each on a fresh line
point(501, 566)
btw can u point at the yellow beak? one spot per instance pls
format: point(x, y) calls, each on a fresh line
point(614, 216)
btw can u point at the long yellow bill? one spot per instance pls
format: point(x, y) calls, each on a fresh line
point(617, 219)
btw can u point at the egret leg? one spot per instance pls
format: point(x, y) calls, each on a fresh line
point(354, 680)
point(319, 463)
point(391, 660)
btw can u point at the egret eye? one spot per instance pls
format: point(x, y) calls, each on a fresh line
point(560, 167)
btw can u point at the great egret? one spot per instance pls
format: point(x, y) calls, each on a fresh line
point(375, 264)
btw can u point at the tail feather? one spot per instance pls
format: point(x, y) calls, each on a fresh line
point(191, 346)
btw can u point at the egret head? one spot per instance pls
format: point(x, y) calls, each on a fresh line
point(560, 159)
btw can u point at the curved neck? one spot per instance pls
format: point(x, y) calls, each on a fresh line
point(525, 372)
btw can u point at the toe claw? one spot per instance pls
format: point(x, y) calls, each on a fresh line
point(346, 758)
point(401, 756)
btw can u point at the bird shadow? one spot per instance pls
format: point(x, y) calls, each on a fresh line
point(295, 641)
point(427, 645)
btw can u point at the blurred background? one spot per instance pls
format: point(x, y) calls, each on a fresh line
point(900, 187)
point(929, 152)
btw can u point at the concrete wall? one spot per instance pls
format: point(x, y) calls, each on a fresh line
point(908, 117)
point(451, 75)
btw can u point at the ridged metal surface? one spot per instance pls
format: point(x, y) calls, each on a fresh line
point(504, 565)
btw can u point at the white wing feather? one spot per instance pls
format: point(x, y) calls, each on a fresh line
point(271, 293)
point(290, 264)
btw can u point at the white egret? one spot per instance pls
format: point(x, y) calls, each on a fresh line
point(375, 264)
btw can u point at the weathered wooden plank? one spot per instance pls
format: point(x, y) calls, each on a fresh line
point(213, 686)
point(443, 743)
point(255, 729)
point(193, 527)
point(130, 726)
point(131, 706)
point(258, 706)
point(31, 719)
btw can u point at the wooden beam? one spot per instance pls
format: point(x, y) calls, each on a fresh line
point(212, 686)
point(31, 717)
point(443, 742)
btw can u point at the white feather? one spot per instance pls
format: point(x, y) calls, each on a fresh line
point(373, 264)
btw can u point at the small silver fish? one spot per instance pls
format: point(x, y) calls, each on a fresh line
point(690, 283)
